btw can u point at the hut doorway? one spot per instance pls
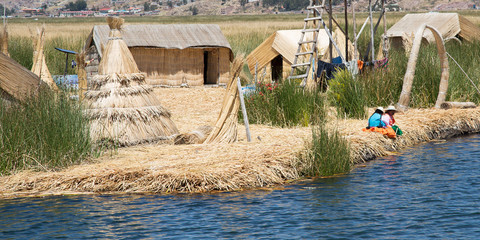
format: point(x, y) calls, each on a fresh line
point(210, 67)
point(277, 68)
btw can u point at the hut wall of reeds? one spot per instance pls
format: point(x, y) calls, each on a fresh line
point(450, 25)
point(282, 46)
point(172, 55)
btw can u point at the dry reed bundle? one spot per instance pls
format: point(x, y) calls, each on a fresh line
point(39, 66)
point(225, 130)
point(82, 74)
point(448, 105)
point(194, 137)
point(4, 41)
point(16, 80)
point(123, 108)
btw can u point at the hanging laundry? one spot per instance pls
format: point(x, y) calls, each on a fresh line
point(382, 63)
point(337, 60)
point(329, 68)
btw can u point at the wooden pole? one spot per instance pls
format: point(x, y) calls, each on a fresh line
point(354, 31)
point(244, 110)
point(372, 41)
point(385, 41)
point(330, 27)
point(346, 30)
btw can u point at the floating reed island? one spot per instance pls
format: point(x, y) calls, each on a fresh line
point(272, 158)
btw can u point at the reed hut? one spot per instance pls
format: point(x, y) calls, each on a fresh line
point(450, 26)
point(16, 82)
point(171, 55)
point(274, 56)
point(122, 107)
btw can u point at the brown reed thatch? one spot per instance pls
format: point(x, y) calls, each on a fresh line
point(39, 66)
point(17, 81)
point(225, 130)
point(123, 108)
point(4, 41)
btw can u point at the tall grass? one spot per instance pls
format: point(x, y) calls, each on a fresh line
point(285, 105)
point(44, 132)
point(348, 95)
point(383, 86)
point(328, 154)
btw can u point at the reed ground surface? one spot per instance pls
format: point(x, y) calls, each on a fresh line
point(270, 159)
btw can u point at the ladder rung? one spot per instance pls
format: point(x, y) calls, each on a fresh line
point(310, 30)
point(312, 19)
point(315, 7)
point(304, 42)
point(298, 76)
point(303, 53)
point(301, 64)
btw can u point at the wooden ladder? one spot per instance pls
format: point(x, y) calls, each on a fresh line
point(309, 54)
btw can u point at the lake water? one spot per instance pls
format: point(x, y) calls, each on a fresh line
point(427, 192)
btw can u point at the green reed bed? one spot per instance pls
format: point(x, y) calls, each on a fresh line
point(21, 50)
point(284, 105)
point(328, 154)
point(347, 95)
point(44, 132)
point(382, 86)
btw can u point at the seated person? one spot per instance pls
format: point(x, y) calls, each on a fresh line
point(376, 119)
point(388, 118)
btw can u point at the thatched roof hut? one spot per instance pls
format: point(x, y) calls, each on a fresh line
point(277, 53)
point(123, 108)
point(175, 54)
point(16, 82)
point(450, 25)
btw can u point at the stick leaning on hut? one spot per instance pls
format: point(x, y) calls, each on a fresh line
point(122, 108)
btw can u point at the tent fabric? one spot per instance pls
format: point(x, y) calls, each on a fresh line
point(169, 36)
point(448, 24)
point(285, 43)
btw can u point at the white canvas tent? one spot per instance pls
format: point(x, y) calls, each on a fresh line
point(450, 25)
point(277, 53)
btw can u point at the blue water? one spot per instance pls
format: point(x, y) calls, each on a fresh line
point(427, 192)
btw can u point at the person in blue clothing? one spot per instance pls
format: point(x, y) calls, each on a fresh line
point(376, 119)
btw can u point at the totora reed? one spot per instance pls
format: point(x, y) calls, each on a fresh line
point(272, 158)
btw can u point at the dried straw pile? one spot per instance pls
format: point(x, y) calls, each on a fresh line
point(122, 107)
point(39, 66)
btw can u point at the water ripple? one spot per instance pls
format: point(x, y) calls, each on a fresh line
point(431, 191)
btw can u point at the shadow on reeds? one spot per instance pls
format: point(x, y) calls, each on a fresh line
point(44, 132)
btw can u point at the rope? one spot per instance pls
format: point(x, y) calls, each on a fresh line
point(463, 72)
